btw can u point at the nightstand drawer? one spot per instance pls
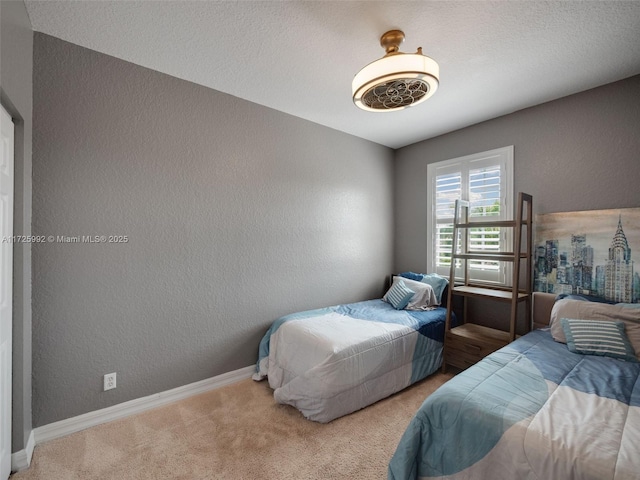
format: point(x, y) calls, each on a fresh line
point(473, 347)
point(460, 359)
point(468, 344)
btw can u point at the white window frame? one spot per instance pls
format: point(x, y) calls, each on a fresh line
point(500, 156)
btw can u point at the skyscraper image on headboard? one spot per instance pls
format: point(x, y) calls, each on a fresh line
point(589, 253)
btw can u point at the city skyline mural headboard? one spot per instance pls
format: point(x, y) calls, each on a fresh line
point(589, 253)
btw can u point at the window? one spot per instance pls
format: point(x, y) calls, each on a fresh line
point(486, 181)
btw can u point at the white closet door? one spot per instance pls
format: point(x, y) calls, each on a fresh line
point(6, 277)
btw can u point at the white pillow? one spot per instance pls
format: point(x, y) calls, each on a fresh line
point(583, 310)
point(423, 299)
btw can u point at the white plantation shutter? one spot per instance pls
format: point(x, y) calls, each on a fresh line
point(484, 201)
point(448, 189)
point(486, 181)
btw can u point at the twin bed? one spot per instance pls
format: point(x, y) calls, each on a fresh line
point(534, 409)
point(333, 361)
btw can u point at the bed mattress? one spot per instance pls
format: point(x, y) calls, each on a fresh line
point(336, 360)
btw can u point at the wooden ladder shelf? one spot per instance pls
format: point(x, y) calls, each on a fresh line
point(468, 343)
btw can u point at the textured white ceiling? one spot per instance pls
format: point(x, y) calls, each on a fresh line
point(299, 57)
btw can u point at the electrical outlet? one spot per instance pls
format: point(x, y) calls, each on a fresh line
point(109, 381)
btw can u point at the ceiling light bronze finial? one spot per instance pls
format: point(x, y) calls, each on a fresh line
point(396, 81)
point(391, 41)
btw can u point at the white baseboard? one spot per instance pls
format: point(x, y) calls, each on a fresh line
point(97, 417)
point(22, 458)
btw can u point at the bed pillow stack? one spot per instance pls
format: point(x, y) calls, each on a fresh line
point(423, 296)
point(437, 282)
point(597, 313)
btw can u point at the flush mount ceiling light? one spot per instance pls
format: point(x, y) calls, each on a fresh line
point(396, 81)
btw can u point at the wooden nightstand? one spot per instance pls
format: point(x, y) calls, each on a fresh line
point(469, 343)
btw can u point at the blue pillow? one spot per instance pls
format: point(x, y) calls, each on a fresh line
point(437, 282)
point(593, 337)
point(399, 295)
point(412, 276)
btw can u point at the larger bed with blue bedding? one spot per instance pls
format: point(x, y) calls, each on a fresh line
point(333, 361)
point(531, 410)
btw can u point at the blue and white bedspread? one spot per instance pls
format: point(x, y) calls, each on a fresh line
point(532, 410)
point(336, 360)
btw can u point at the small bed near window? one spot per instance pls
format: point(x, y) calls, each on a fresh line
point(333, 361)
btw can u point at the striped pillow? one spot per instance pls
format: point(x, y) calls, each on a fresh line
point(399, 295)
point(593, 337)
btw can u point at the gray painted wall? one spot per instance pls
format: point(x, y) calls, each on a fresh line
point(16, 55)
point(580, 152)
point(236, 214)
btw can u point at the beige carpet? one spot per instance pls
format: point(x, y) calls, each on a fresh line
point(236, 432)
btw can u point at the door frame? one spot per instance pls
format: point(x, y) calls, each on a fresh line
point(6, 288)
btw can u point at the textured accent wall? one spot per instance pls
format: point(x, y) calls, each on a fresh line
point(235, 215)
point(577, 153)
point(16, 41)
